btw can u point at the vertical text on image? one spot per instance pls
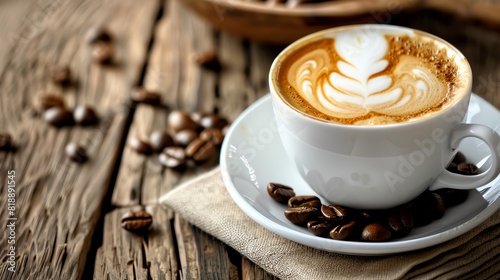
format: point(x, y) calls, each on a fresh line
point(11, 220)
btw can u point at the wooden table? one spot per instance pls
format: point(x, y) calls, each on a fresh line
point(68, 215)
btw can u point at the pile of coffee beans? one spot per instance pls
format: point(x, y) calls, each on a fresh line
point(342, 223)
point(190, 139)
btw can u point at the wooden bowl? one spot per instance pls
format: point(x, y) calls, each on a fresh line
point(284, 23)
point(274, 22)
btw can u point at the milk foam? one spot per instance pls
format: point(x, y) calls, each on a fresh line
point(358, 79)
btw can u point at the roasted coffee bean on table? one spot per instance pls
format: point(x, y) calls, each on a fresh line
point(305, 200)
point(85, 115)
point(137, 222)
point(180, 120)
point(49, 100)
point(76, 153)
point(213, 135)
point(61, 75)
point(200, 150)
point(279, 192)
point(102, 52)
point(209, 60)
point(5, 141)
point(140, 146)
point(98, 34)
point(173, 158)
point(144, 96)
point(59, 117)
point(185, 136)
point(159, 140)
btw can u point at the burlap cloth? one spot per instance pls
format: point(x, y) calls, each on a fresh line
point(205, 203)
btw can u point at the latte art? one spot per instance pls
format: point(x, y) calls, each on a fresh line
point(370, 77)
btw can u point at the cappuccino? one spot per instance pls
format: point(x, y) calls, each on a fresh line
point(374, 75)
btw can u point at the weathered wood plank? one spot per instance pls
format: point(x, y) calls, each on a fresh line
point(251, 271)
point(12, 15)
point(187, 249)
point(59, 202)
point(173, 72)
point(125, 255)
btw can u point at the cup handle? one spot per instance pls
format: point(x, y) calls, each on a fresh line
point(451, 180)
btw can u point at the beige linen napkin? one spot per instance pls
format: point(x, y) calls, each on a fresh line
point(474, 254)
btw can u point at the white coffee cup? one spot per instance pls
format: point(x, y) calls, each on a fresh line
point(379, 166)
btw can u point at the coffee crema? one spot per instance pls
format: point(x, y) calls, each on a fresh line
point(372, 77)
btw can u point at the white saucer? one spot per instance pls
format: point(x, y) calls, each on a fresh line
point(252, 156)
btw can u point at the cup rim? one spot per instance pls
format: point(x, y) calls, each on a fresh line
point(466, 90)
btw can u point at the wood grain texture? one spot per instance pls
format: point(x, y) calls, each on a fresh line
point(126, 255)
point(172, 70)
point(58, 201)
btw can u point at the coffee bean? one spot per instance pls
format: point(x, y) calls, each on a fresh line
point(466, 168)
point(159, 140)
point(376, 232)
point(98, 34)
point(48, 100)
point(213, 135)
point(141, 95)
point(180, 120)
point(85, 115)
point(58, 117)
point(200, 150)
point(280, 192)
point(459, 158)
point(319, 227)
point(184, 137)
point(305, 200)
point(400, 221)
point(102, 52)
point(137, 222)
point(452, 197)
point(61, 75)
point(343, 231)
point(209, 60)
point(140, 146)
point(438, 206)
point(213, 121)
point(335, 213)
point(197, 116)
point(452, 167)
point(424, 209)
point(173, 158)
point(5, 141)
point(76, 153)
point(301, 215)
